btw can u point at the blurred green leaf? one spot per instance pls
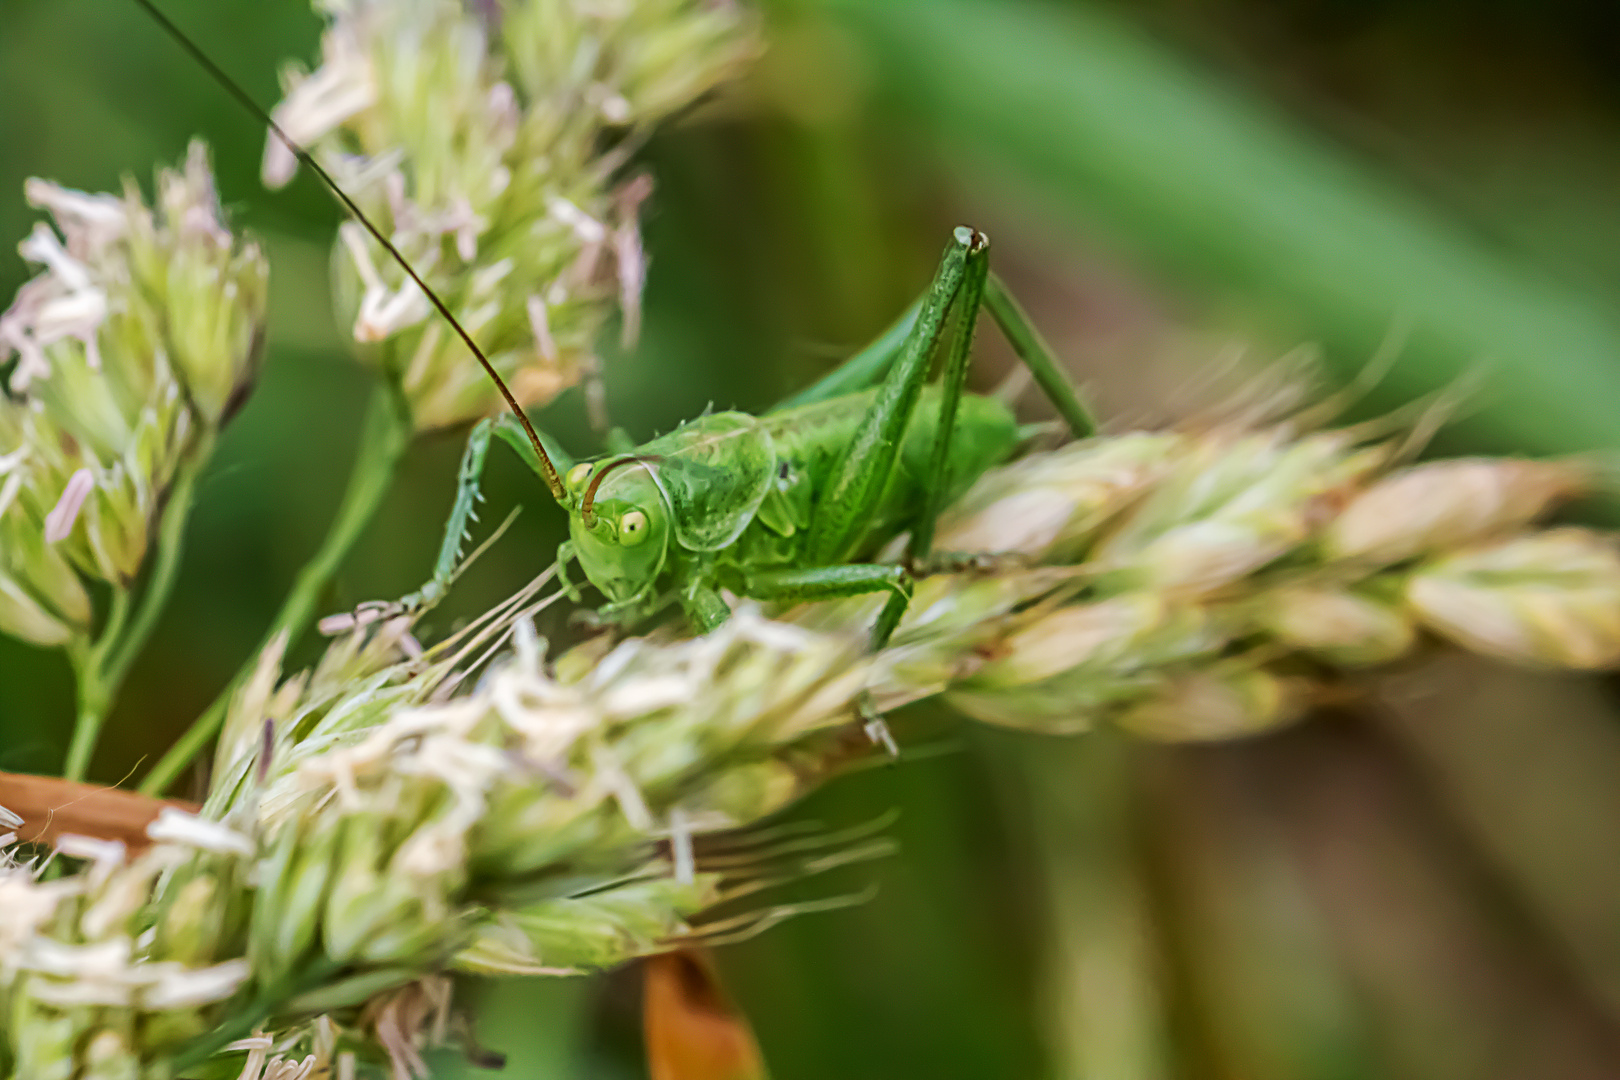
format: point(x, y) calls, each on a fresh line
point(1207, 183)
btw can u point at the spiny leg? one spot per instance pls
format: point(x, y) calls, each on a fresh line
point(868, 367)
point(920, 545)
point(850, 499)
point(900, 359)
point(707, 609)
point(866, 465)
point(954, 379)
point(462, 514)
point(864, 468)
point(835, 583)
point(855, 486)
point(980, 286)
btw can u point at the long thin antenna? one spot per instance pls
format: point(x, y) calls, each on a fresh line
point(553, 480)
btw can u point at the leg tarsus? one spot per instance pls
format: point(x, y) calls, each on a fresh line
point(877, 730)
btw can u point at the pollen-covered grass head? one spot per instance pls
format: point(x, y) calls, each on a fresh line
point(489, 144)
point(139, 337)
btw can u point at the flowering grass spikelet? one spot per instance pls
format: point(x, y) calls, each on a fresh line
point(1230, 700)
point(1347, 627)
point(138, 339)
point(1550, 599)
point(1064, 670)
point(488, 145)
point(1236, 502)
point(1206, 579)
point(1441, 505)
point(1049, 506)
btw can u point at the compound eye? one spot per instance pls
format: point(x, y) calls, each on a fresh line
point(579, 474)
point(633, 528)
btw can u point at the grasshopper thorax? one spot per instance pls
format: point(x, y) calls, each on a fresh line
point(618, 520)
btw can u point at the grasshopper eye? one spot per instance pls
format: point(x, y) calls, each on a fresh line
point(633, 528)
point(579, 474)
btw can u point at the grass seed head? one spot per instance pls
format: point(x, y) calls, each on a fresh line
point(42, 599)
point(592, 800)
point(133, 345)
point(475, 144)
point(1063, 670)
point(1229, 505)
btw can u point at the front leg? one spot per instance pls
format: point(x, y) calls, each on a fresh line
point(565, 555)
point(462, 514)
point(631, 607)
point(704, 606)
point(448, 564)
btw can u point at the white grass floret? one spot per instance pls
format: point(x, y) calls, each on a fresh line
point(178, 827)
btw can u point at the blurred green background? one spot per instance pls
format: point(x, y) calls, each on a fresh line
point(1421, 884)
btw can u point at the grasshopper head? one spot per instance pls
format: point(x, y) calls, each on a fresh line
point(618, 518)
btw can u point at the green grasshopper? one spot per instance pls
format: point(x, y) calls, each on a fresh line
point(784, 507)
point(776, 507)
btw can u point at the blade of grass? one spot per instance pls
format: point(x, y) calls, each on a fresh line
point(1214, 186)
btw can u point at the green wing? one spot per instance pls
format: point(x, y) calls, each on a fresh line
point(715, 472)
